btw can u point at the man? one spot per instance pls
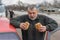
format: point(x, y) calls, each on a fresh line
point(11, 13)
point(31, 33)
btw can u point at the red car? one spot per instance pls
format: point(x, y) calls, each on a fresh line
point(7, 31)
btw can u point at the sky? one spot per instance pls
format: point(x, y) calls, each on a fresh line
point(9, 2)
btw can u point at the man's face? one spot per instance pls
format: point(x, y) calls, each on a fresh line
point(32, 14)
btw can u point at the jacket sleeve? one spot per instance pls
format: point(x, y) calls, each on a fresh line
point(50, 24)
point(16, 21)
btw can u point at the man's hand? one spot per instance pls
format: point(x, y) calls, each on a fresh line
point(42, 29)
point(22, 26)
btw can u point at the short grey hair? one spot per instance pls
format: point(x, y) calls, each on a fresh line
point(31, 8)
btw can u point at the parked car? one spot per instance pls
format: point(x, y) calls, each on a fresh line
point(7, 31)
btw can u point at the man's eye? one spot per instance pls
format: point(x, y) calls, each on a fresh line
point(30, 13)
point(33, 12)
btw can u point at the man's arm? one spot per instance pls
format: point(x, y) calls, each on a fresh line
point(16, 21)
point(50, 24)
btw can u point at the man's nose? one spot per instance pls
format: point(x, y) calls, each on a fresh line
point(31, 14)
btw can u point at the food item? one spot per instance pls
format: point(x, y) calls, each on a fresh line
point(38, 25)
point(27, 25)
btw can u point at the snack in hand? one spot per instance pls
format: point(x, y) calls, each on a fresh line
point(38, 25)
point(27, 25)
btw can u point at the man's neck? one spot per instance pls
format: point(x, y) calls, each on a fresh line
point(33, 18)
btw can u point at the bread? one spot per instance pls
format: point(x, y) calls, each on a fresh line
point(27, 25)
point(38, 25)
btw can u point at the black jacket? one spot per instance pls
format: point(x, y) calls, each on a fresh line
point(32, 33)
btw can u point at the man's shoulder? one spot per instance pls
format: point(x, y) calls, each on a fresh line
point(22, 16)
point(43, 16)
point(40, 15)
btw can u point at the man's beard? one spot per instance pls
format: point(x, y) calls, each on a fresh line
point(32, 18)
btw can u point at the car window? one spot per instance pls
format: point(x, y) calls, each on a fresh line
point(2, 10)
point(9, 36)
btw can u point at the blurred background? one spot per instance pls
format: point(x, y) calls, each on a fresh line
point(50, 8)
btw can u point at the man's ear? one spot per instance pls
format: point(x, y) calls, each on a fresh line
point(37, 11)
